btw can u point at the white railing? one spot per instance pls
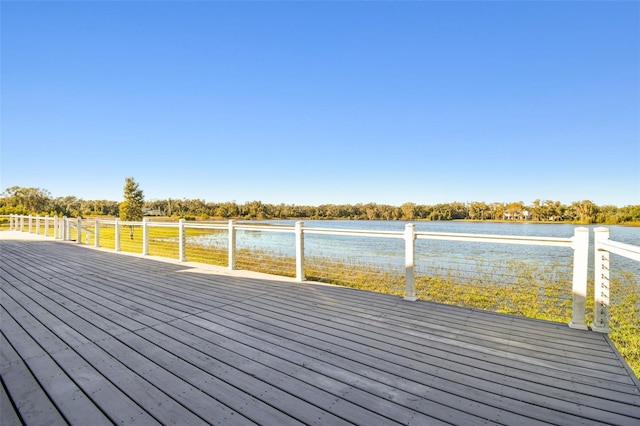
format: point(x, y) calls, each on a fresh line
point(63, 228)
point(603, 247)
point(579, 243)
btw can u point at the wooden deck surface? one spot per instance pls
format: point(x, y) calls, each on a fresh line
point(92, 337)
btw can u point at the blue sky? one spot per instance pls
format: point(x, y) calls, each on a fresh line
point(323, 102)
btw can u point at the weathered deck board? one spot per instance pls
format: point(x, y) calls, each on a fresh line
point(91, 336)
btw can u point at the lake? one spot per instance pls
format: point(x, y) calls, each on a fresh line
point(468, 258)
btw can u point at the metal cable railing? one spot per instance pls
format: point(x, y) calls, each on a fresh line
point(505, 273)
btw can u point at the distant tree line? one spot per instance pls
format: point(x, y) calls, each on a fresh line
point(19, 200)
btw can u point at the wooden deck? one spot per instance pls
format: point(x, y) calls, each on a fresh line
point(92, 337)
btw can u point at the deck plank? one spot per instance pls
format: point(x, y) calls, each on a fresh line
point(40, 372)
point(8, 414)
point(130, 337)
point(410, 338)
point(449, 382)
point(132, 371)
point(66, 376)
point(30, 399)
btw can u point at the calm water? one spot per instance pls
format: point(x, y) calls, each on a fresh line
point(625, 234)
point(429, 253)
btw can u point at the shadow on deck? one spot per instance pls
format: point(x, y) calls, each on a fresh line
point(92, 337)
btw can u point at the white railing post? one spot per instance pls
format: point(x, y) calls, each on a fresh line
point(117, 234)
point(601, 282)
point(300, 270)
point(30, 224)
point(580, 272)
point(21, 223)
point(232, 245)
point(38, 225)
point(56, 228)
point(96, 234)
point(145, 236)
point(79, 230)
point(409, 262)
point(67, 229)
point(11, 222)
point(46, 226)
point(181, 241)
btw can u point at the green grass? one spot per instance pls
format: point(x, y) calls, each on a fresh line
point(625, 319)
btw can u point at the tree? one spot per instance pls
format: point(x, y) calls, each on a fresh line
point(585, 211)
point(131, 207)
point(537, 210)
point(514, 210)
point(629, 213)
point(408, 211)
point(479, 210)
point(27, 200)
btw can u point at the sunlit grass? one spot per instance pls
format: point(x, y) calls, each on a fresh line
point(625, 319)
